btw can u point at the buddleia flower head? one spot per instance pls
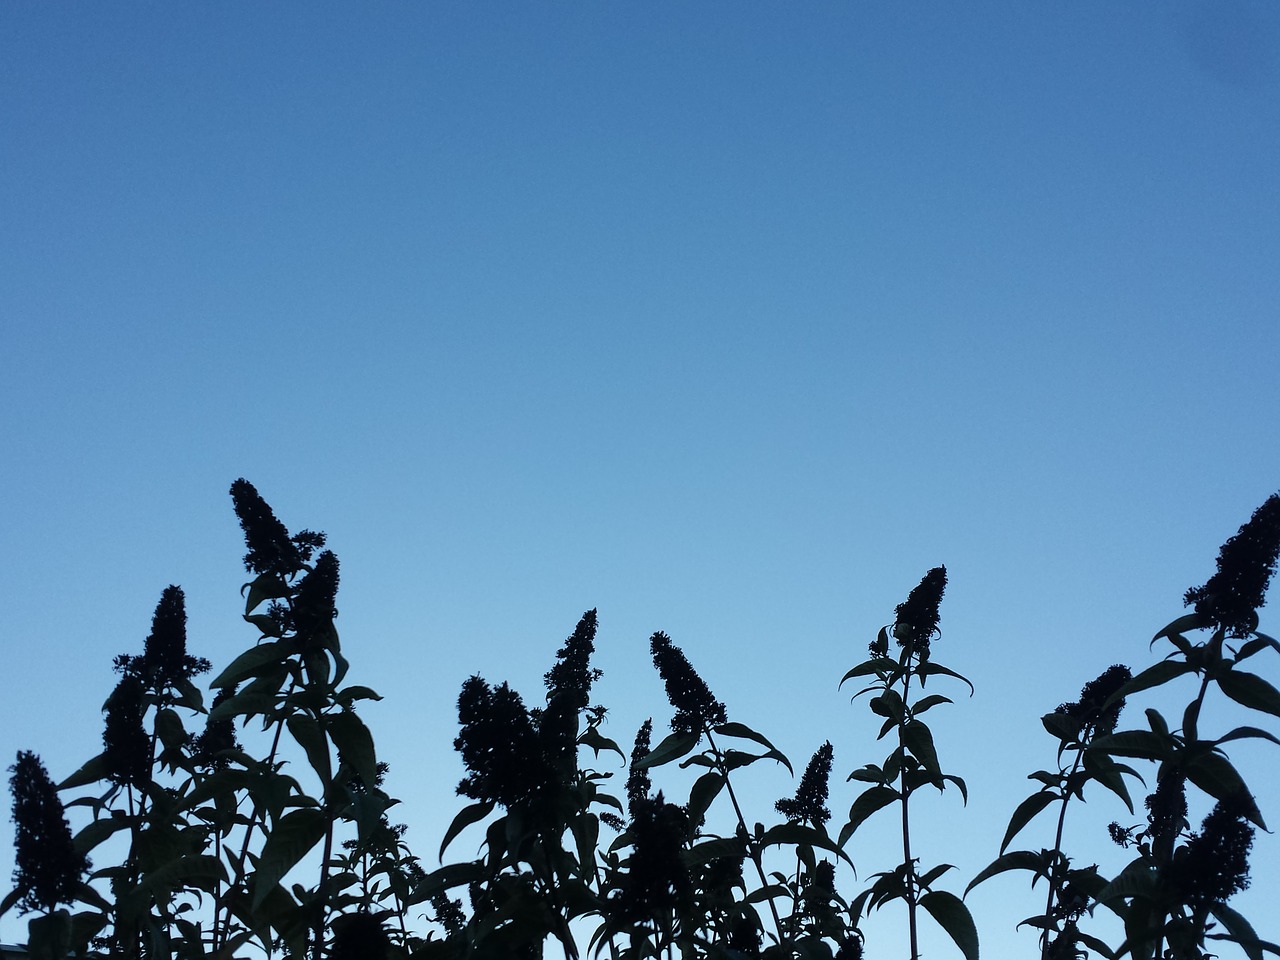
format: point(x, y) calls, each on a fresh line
point(219, 736)
point(1167, 808)
point(810, 802)
point(1091, 711)
point(568, 692)
point(1232, 596)
point(499, 746)
point(271, 549)
point(164, 657)
point(696, 706)
point(314, 607)
point(126, 748)
point(638, 781)
point(1215, 864)
point(916, 619)
point(48, 869)
point(572, 674)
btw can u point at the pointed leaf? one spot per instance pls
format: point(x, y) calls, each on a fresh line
point(1025, 813)
point(919, 740)
point(953, 916)
point(673, 747)
point(292, 837)
point(354, 743)
point(1240, 931)
point(1189, 621)
point(929, 669)
point(306, 731)
point(92, 771)
point(872, 799)
point(925, 703)
point(1153, 676)
point(1250, 690)
point(704, 792)
point(1215, 775)
point(250, 662)
point(1015, 860)
point(798, 834)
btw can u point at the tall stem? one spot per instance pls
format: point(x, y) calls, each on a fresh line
point(908, 864)
point(219, 928)
point(751, 847)
point(1055, 878)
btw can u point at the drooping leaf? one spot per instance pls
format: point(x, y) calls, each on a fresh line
point(1189, 621)
point(268, 586)
point(1250, 690)
point(930, 669)
point(703, 793)
point(926, 703)
point(306, 730)
point(1240, 931)
point(918, 738)
point(354, 743)
point(1037, 863)
point(801, 834)
point(953, 916)
point(1216, 776)
point(1247, 733)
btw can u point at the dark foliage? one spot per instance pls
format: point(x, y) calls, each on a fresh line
point(1246, 562)
point(359, 936)
point(448, 913)
point(810, 802)
point(696, 706)
point(48, 869)
point(917, 616)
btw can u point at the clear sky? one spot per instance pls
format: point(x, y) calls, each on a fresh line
point(729, 319)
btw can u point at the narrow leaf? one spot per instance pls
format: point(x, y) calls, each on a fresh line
point(1025, 813)
point(673, 747)
point(249, 663)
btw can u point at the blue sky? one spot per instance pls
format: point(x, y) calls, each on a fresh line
point(727, 319)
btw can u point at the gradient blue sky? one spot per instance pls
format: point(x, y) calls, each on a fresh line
point(727, 319)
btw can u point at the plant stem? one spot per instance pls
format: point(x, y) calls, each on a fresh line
point(1055, 879)
point(908, 865)
point(751, 847)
